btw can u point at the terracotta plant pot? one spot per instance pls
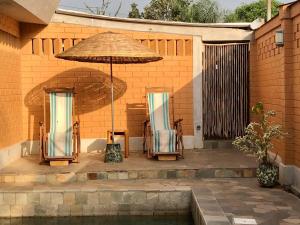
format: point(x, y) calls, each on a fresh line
point(113, 153)
point(267, 174)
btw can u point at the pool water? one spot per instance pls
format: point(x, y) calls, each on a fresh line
point(101, 220)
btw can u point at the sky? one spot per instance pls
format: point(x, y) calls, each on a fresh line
point(79, 5)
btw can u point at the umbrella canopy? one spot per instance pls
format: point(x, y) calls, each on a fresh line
point(110, 47)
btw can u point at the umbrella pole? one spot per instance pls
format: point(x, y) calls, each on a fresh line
point(112, 102)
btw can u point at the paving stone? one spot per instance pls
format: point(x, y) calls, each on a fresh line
point(146, 206)
point(105, 197)
point(162, 174)
point(209, 218)
point(107, 209)
point(69, 198)
point(40, 210)
point(57, 198)
point(65, 177)
point(40, 179)
point(124, 207)
point(51, 179)
point(64, 210)
point(51, 210)
point(152, 197)
point(82, 177)
point(45, 198)
point(28, 210)
point(127, 197)
point(139, 197)
point(28, 178)
point(186, 174)
point(1, 198)
point(5, 210)
point(248, 173)
point(112, 175)
point(116, 197)
point(9, 198)
point(92, 198)
point(92, 176)
point(81, 198)
point(123, 175)
point(171, 174)
point(76, 210)
point(205, 173)
point(227, 173)
point(16, 210)
point(292, 220)
point(163, 201)
point(148, 174)
point(21, 198)
point(186, 198)
point(132, 174)
point(102, 176)
point(88, 210)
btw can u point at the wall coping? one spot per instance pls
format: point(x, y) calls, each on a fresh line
point(146, 21)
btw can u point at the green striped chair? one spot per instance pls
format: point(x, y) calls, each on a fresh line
point(162, 139)
point(62, 142)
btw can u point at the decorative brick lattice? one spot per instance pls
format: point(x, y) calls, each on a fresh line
point(165, 47)
point(267, 48)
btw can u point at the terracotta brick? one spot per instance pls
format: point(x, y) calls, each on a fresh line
point(274, 79)
point(10, 90)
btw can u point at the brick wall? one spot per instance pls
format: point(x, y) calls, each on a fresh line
point(10, 83)
point(275, 77)
point(40, 68)
point(295, 82)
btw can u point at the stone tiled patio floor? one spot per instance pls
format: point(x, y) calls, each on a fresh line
point(243, 198)
point(93, 162)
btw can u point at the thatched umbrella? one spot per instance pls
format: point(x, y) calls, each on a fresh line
point(112, 48)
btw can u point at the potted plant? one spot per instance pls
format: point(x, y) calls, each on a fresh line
point(258, 140)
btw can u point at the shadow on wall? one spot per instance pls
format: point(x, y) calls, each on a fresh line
point(92, 88)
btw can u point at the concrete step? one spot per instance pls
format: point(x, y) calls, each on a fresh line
point(218, 144)
point(71, 177)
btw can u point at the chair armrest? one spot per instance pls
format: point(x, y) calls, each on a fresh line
point(177, 122)
point(146, 121)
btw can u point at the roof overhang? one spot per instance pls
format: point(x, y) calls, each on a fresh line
point(29, 11)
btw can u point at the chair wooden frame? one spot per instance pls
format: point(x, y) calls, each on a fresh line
point(177, 126)
point(44, 135)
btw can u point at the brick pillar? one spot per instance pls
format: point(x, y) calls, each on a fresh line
point(288, 116)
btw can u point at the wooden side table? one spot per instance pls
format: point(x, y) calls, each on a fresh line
point(120, 133)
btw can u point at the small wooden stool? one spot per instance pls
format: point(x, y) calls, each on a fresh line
point(120, 133)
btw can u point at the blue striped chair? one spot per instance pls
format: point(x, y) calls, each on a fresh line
point(62, 142)
point(160, 139)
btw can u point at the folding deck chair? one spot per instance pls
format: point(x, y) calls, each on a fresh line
point(160, 139)
point(61, 144)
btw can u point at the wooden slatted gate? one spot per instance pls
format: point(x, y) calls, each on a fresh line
point(225, 90)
